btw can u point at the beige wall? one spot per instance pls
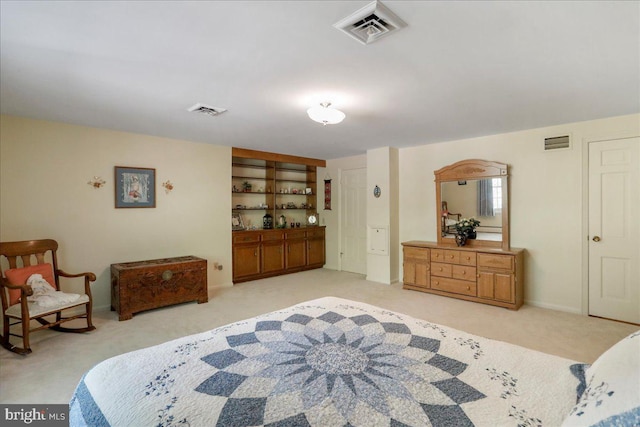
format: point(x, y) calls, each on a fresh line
point(546, 199)
point(44, 170)
point(45, 166)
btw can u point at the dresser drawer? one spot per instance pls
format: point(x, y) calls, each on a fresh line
point(454, 286)
point(269, 237)
point(295, 234)
point(445, 255)
point(463, 272)
point(467, 258)
point(441, 269)
point(317, 232)
point(246, 237)
point(502, 262)
point(416, 253)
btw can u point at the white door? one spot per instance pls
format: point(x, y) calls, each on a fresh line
point(353, 221)
point(614, 230)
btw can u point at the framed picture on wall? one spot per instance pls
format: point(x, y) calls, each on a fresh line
point(135, 187)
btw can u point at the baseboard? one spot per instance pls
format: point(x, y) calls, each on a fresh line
point(553, 307)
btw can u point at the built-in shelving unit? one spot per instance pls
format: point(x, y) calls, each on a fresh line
point(280, 186)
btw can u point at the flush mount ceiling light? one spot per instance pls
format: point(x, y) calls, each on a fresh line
point(370, 23)
point(325, 114)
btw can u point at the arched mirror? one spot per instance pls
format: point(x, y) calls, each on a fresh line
point(474, 189)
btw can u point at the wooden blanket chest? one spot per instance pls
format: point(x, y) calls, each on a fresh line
point(145, 285)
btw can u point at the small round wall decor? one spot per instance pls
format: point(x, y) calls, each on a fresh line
point(376, 191)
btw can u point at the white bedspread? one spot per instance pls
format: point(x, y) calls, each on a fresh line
point(329, 362)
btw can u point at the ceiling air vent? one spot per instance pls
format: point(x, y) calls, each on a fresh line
point(557, 143)
point(370, 23)
point(205, 109)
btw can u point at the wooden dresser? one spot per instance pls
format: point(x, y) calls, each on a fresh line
point(144, 285)
point(486, 275)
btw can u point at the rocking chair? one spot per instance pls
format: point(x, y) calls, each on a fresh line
point(15, 291)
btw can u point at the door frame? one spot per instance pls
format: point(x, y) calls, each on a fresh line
point(628, 134)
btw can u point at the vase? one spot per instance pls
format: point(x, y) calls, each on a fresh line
point(461, 239)
point(471, 234)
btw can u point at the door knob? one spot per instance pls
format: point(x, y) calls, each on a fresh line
point(596, 238)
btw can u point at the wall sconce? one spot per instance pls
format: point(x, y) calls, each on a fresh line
point(326, 115)
point(168, 186)
point(96, 182)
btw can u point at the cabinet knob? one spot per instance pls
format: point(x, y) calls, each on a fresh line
point(464, 272)
point(468, 288)
point(167, 275)
point(451, 256)
point(436, 282)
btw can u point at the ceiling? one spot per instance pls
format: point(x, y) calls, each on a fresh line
point(458, 70)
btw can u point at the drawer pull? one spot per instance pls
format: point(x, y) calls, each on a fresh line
point(464, 272)
point(468, 288)
point(468, 258)
point(437, 283)
point(167, 275)
point(451, 256)
point(440, 269)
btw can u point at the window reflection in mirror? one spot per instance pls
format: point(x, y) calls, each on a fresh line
point(477, 198)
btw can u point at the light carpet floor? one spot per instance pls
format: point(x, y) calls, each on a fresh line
point(51, 372)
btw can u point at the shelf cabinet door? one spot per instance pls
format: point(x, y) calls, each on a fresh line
point(496, 286)
point(246, 260)
point(295, 254)
point(272, 256)
point(416, 267)
point(315, 252)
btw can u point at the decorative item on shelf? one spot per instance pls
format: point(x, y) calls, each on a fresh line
point(291, 205)
point(168, 186)
point(325, 114)
point(282, 221)
point(267, 221)
point(308, 191)
point(246, 187)
point(235, 189)
point(236, 222)
point(96, 182)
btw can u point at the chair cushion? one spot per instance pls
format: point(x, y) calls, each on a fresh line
point(36, 310)
point(612, 396)
point(19, 276)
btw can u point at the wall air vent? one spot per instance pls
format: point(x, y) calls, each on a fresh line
point(370, 23)
point(557, 143)
point(206, 109)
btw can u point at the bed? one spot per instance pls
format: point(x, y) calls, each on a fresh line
point(335, 362)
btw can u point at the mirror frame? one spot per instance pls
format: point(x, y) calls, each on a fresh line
point(468, 170)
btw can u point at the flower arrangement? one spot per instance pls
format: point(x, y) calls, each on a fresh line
point(467, 225)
